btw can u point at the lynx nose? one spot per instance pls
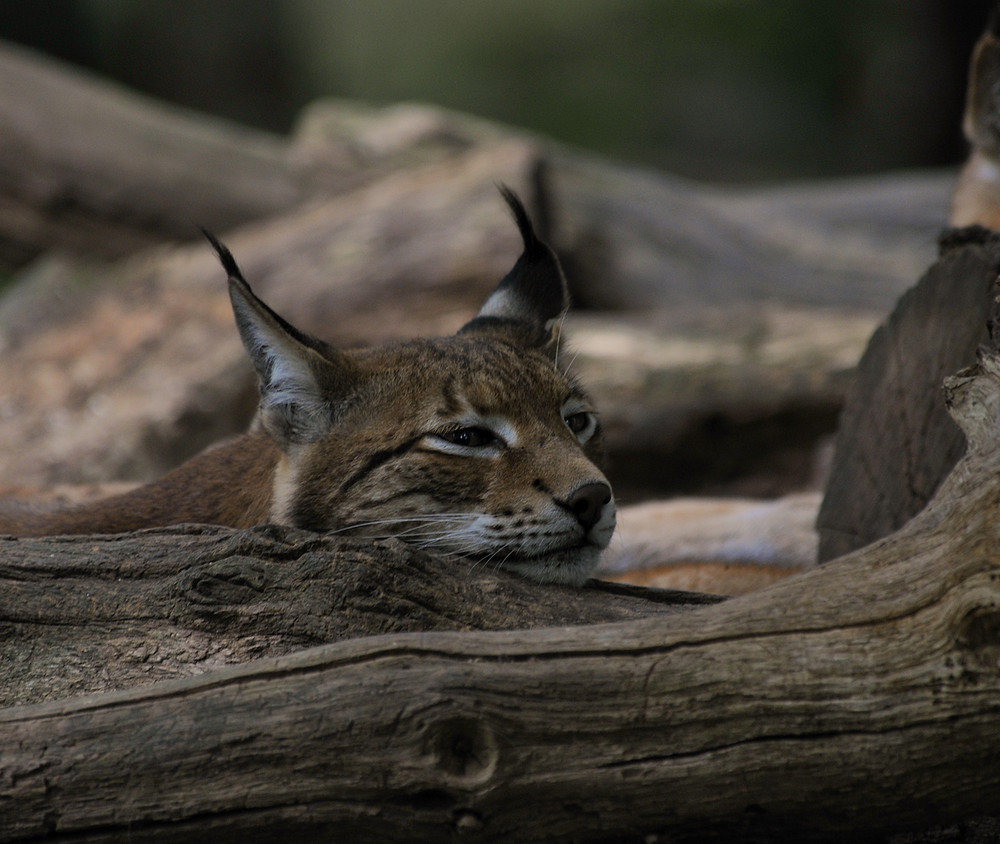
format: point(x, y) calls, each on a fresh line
point(587, 503)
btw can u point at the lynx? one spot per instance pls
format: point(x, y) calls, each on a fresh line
point(976, 199)
point(476, 445)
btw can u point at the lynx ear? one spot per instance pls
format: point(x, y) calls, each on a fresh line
point(531, 298)
point(301, 378)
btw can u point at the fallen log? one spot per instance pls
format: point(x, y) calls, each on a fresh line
point(858, 699)
point(88, 166)
point(99, 613)
point(722, 545)
point(368, 223)
point(640, 240)
point(688, 406)
point(123, 372)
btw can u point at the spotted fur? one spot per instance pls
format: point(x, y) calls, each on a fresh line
point(476, 445)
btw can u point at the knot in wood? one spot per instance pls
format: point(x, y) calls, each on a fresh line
point(231, 581)
point(464, 749)
point(979, 635)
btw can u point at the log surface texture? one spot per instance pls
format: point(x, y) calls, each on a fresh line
point(862, 696)
point(384, 695)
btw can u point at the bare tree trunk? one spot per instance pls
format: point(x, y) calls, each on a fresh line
point(858, 699)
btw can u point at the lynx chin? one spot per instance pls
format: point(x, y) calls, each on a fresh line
point(476, 445)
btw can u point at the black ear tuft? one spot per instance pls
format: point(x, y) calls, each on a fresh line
point(520, 217)
point(225, 256)
point(533, 294)
point(537, 275)
point(237, 281)
point(301, 378)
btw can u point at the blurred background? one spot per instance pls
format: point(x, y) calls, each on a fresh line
point(719, 90)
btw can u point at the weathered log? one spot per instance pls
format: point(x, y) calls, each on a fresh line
point(895, 442)
point(139, 366)
point(638, 239)
point(722, 545)
point(856, 700)
point(88, 614)
point(88, 166)
point(371, 223)
point(681, 395)
point(690, 406)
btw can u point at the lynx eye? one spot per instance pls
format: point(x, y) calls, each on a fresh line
point(471, 437)
point(582, 424)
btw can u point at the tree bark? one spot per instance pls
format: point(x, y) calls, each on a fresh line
point(895, 442)
point(856, 700)
point(93, 614)
point(859, 699)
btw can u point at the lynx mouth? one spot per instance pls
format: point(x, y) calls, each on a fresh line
point(568, 566)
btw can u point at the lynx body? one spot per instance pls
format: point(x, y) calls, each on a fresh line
point(475, 445)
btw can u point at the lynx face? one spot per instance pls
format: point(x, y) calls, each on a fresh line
point(475, 445)
point(467, 445)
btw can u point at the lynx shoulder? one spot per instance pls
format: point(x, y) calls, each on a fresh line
point(476, 445)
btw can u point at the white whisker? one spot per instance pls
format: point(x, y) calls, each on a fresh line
point(569, 366)
point(561, 322)
point(430, 518)
point(446, 532)
point(471, 536)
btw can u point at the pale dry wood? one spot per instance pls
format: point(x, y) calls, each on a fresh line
point(123, 372)
point(722, 545)
point(372, 223)
point(858, 699)
point(723, 400)
point(126, 385)
point(640, 239)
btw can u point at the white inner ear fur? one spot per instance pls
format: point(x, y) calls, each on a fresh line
point(286, 377)
point(502, 304)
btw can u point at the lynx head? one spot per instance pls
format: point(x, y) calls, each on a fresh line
point(476, 445)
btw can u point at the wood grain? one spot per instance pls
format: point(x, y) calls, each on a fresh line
point(856, 699)
point(99, 613)
point(896, 442)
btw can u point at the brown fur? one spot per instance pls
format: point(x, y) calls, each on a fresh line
point(226, 485)
point(379, 456)
point(476, 445)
